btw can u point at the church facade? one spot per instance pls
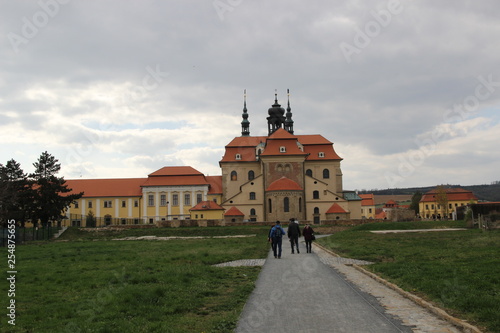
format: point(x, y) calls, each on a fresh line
point(264, 178)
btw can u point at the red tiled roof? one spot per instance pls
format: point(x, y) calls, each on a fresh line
point(246, 141)
point(367, 199)
point(314, 139)
point(284, 184)
point(391, 204)
point(215, 184)
point(336, 209)
point(382, 215)
point(273, 147)
point(327, 150)
point(313, 144)
point(175, 181)
point(130, 187)
point(175, 171)
point(247, 154)
point(176, 176)
point(207, 205)
point(452, 194)
point(281, 133)
point(233, 211)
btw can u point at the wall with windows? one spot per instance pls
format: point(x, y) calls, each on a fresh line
point(284, 205)
point(326, 171)
point(433, 210)
point(234, 175)
point(107, 210)
point(250, 196)
point(319, 198)
point(164, 203)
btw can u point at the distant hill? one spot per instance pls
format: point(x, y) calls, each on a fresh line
point(482, 192)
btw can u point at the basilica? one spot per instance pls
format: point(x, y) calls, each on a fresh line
point(264, 178)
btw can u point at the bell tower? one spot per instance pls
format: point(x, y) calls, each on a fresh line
point(276, 117)
point(245, 123)
point(289, 121)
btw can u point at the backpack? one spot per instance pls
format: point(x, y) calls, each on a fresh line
point(277, 232)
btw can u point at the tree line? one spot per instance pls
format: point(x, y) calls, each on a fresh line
point(39, 197)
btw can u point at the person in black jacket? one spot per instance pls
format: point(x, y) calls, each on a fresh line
point(294, 234)
point(308, 233)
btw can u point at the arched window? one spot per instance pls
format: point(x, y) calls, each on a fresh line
point(316, 195)
point(252, 212)
point(309, 172)
point(286, 204)
point(252, 195)
point(326, 173)
point(316, 210)
point(270, 206)
point(234, 175)
point(251, 175)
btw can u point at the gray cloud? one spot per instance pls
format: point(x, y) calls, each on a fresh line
point(94, 62)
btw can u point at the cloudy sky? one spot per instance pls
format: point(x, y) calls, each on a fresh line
point(408, 91)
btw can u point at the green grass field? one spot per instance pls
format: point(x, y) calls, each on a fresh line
point(457, 270)
point(91, 284)
point(86, 282)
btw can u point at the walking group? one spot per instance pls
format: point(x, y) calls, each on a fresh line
point(277, 232)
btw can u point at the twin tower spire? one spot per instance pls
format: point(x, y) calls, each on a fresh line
point(277, 118)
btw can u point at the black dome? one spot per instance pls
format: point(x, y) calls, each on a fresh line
point(276, 110)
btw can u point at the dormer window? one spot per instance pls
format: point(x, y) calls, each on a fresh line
point(282, 149)
point(321, 154)
point(238, 156)
point(259, 150)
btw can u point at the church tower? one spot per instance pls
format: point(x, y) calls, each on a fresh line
point(245, 123)
point(289, 121)
point(276, 117)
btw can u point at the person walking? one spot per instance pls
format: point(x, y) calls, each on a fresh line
point(294, 234)
point(269, 238)
point(277, 233)
point(308, 234)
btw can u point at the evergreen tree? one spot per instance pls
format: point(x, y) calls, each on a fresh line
point(90, 221)
point(15, 193)
point(50, 191)
point(415, 200)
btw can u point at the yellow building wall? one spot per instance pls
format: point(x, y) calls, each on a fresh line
point(365, 211)
point(427, 209)
point(334, 181)
point(232, 187)
point(121, 208)
point(354, 209)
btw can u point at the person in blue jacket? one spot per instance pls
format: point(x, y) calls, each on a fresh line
point(277, 233)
